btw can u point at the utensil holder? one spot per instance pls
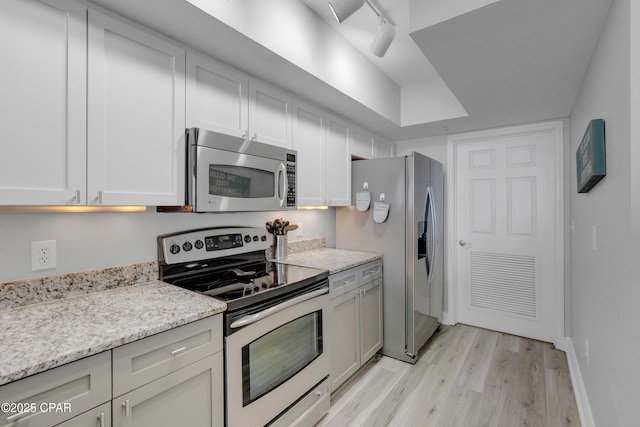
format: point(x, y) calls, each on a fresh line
point(280, 250)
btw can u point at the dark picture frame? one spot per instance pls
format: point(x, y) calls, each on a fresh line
point(590, 157)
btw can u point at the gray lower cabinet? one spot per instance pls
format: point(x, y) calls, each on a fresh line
point(77, 387)
point(172, 378)
point(168, 379)
point(356, 319)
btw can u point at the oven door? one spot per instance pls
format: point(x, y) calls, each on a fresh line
point(228, 181)
point(275, 357)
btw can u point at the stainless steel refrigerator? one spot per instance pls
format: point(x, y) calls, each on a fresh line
point(411, 240)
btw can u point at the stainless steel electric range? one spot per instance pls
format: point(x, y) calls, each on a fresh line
point(275, 327)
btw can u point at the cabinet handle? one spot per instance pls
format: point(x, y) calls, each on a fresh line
point(255, 137)
point(177, 351)
point(346, 282)
point(76, 198)
point(371, 271)
point(127, 408)
point(98, 198)
point(101, 419)
point(18, 415)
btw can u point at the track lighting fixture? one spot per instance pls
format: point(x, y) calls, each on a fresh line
point(384, 37)
point(342, 9)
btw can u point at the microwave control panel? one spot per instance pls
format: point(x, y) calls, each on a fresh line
point(291, 185)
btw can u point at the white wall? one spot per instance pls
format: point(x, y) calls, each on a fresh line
point(88, 241)
point(603, 296)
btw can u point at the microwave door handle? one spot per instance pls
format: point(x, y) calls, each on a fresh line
point(281, 184)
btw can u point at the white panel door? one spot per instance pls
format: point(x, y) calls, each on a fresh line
point(42, 102)
point(270, 114)
point(308, 141)
point(217, 96)
point(506, 220)
point(338, 163)
point(136, 116)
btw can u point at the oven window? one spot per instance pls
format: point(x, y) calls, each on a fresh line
point(279, 355)
point(241, 182)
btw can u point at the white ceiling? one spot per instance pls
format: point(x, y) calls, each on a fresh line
point(506, 62)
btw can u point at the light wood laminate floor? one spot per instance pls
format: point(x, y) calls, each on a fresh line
point(465, 376)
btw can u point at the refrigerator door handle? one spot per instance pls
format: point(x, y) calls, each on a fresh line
point(431, 261)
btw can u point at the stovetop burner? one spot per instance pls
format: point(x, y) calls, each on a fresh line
point(234, 272)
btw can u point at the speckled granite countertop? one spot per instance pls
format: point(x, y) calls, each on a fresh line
point(334, 260)
point(44, 335)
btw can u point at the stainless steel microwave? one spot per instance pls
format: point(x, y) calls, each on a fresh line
point(230, 174)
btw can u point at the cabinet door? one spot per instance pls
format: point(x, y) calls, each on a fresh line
point(361, 144)
point(191, 396)
point(76, 387)
point(216, 96)
point(308, 141)
point(270, 115)
point(42, 102)
point(345, 338)
point(338, 163)
point(136, 116)
point(370, 319)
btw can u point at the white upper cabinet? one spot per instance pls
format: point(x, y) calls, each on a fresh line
point(43, 102)
point(338, 163)
point(324, 163)
point(270, 114)
point(382, 149)
point(136, 116)
point(216, 96)
point(361, 144)
point(308, 141)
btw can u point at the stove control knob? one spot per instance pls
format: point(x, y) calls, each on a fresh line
point(198, 244)
point(174, 249)
point(187, 246)
point(247, 238)
point(255, 238)
point(263, 238)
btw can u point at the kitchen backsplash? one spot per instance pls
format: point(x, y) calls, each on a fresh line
point(301, 246)
point(41, 289)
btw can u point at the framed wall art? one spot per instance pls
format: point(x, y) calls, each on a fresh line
point(590, 157)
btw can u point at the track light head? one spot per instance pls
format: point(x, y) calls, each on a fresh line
point(385, 35)
point(342, 9)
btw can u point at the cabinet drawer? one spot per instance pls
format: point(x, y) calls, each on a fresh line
point(342, 282)
point(370, 271)
point(143, 361)
point(96, 417)
point(76, 387)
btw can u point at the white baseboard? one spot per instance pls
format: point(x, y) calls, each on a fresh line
point(582, 400)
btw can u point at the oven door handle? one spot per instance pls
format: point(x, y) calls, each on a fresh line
point(252, 318)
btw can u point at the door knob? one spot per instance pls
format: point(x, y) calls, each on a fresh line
point(463, 243)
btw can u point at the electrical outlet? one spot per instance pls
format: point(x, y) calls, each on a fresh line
point(586, 350)
point(299, 232)
point(43, 255)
